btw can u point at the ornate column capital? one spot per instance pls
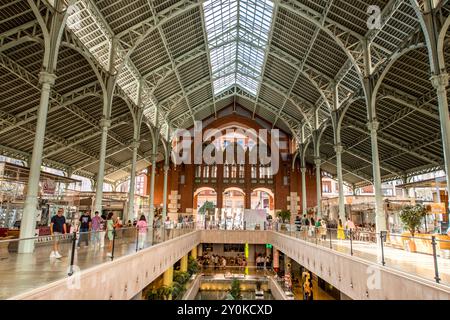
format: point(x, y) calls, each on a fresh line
point(104, 123)
point(47, 78)
point(440, 81)
point(338, 148)
point(303, 170)
point(135, 144)
point(317, 161)
point(373, 125)
point(166, 168)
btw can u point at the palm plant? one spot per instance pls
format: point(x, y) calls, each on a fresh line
point(193, 266)
point(207, 208)
point(235, 292)
point(285, 215)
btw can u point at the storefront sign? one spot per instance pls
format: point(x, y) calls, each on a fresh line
point(437, 208)
point(49, 186)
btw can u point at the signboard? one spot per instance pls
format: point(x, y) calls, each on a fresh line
point(48, 186)
point(437, 208)
point(254, 217)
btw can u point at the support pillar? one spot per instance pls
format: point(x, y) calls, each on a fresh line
point(380, 217)
point(440, 83)
point(131, 213)
point(318, 187)
point(199, 250)
point(28, 223)
point(184, 263)
point(168, 279)
point(338, 148)
point(104, 124)
point(276, 259)
point(194, 253)
point(151, 214)
point(304, 205)
point(164, 209)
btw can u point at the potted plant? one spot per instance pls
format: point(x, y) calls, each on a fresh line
point(411, 217)
point(285, 216)
point(207, 209)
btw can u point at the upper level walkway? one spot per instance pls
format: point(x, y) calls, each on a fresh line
point(37, 276)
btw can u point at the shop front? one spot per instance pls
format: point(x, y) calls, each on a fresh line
point(54, 192)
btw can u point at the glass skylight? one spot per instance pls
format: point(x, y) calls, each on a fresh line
point(238, 31)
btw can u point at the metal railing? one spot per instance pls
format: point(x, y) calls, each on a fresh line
point(55, 257)
point(424, 255)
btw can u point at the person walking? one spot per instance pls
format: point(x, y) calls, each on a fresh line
point(141, 227)
point(350, 227)
point(110, 226)
point(340, 231)
point(312, 228)
point(57, 228)
point(167, 227)
point(323, 230)
point(96, 229)
point(85, 227)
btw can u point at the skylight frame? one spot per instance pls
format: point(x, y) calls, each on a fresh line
point(242, 27)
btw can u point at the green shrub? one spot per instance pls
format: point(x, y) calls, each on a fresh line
point(411, 217)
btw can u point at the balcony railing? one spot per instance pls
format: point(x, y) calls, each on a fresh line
point(20, 272)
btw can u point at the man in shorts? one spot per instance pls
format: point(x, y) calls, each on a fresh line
point(57, 228)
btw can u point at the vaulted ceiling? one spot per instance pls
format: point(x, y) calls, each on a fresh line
point(189, 59)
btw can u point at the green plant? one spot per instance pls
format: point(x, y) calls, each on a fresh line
point(411, 217)
point(193, 266)
point(178, 289)
point(207, 208)
point(235, 292)
point(161, 293)
point(181, 277)
point(285, 215)
point(165, 292)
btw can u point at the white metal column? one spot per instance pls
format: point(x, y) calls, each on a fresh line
point(151, 214)
point(28, 222)
point(104, 124)
point(339, 149)
point(318, 187)
point(380, 217)
point(131, 213)
point(440, 83)
point(164, 209)
point(303, 171)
